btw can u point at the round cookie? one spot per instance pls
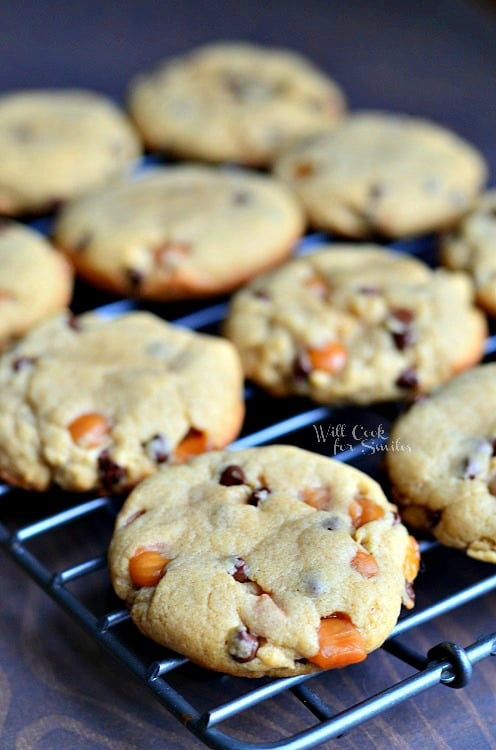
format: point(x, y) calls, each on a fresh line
point(89, 403)
point(352, 324)
point(233, 102)
point(180, 232)
point(384, 174)
point(270, 561)
point(35, 280)
point(442, 463)
point(56, 145)
point(471, 247)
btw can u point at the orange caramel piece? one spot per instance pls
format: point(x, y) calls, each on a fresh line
point(412, 560)
point(340, 643)
point(365, 564)
point(330, 358)
point(317, 497)
point(363, 510)
point(194, 443)
point(89, 430)
point(147, 567)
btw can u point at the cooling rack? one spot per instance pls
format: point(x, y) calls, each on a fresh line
point(221, 706)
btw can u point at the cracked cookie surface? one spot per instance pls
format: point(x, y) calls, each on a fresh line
point(233, 102)
point(89, 403)
point(355, 324)
point(35, 280)
point(445, 478)
point(471, 247)
point(268, 561)
point(55, 145)
point(180, 232)
point(384, 174)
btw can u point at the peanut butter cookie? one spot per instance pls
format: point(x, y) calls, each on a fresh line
point(90, 403)
point(233, 102)
point(355, 324)
point(384, 174)
point(269, 561)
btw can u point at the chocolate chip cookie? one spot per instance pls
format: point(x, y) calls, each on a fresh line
point(233, 102)
point(471, 247)
point(35, 280)
point(269, 561)
point(180, 232)
point(355, 324)
point(445, 475)
point(55, 145)
point(90, 403)
point(384, 174)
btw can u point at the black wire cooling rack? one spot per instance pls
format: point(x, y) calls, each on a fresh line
point(221, 704)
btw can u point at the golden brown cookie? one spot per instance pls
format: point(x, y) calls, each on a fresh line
point(471, 247)
point(443, 467)
point(180, 232)
point(89, 403)
point(355, 324)
point(35, 280)
point(384, 174)
point(55, 145)
point(233, 102)
point(269, 561)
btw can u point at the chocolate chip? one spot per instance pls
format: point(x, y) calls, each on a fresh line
point(110, 473)
point(493, 445)
point(332, 523)
point(134, 278)
point(404, 339)
point(435, 518)
point(22, 362)
point(258, 495)
point(491, 486)
point(232, 475)
point(376, 191)
point(241, 572)
point(74, 323)
point(54, 205)
point(157, 449)
point(302, 366)
point(22, 132)
point(83, 242)
point(261, 294)
point(407, 379)
point(243, 646)
point(369, 290)
point(403, 315)
point(477, 461)
point(241, 197)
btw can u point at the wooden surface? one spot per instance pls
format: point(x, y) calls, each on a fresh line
point(57, 689)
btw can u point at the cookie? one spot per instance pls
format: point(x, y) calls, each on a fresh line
point(384, 174)
point(89, 403)
point(35, 280)
point(269, 561)
point(56, 145)
point(180, 232)
point(355, 324)
point(471, 247)
point(443, 467)
point(233, 102)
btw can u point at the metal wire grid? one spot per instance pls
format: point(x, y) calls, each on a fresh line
point(445, 663)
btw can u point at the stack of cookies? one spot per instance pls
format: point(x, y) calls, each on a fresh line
point(296, 562)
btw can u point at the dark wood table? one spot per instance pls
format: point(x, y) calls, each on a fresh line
point(58, 689)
